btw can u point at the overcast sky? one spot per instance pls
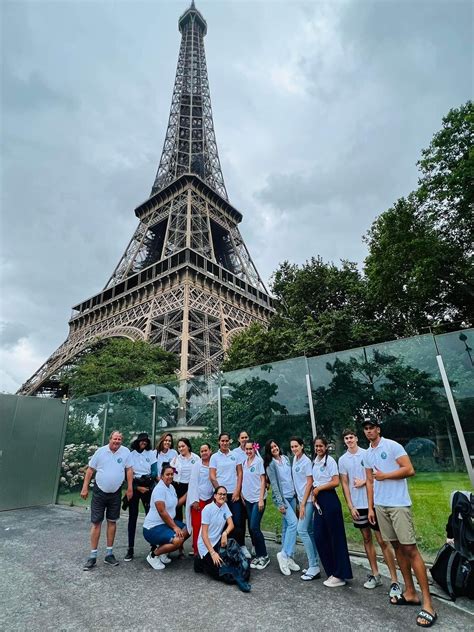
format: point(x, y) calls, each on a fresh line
point(321, 110)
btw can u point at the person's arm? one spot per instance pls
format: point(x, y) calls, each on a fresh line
point(405, 470)
point(332, 484)
point(370, 494)
point(216, 558)
point(182, 500)
point(154, 470)
point(167, 519)
point(129, 475)
point(227, 530)
point(213, 477)
point(87, 479)
point(347, 495)
point(307, 492)
point(261, 497)
point(238, 487)
point(276, 496)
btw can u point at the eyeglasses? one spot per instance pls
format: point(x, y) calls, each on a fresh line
point(221, 494)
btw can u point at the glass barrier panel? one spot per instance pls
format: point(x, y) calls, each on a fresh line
point(202, 411)
point(130, 412)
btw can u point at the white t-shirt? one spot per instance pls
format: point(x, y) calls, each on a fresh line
point(239, 454)
point(215, 517)
point(165, 494)
point(141, 462)
point(300, 471)
point(284, 473)
point(226, 469)
point(251, 480)
point(205, 486)
point(184, 465)
point(353, 466)
point(388, 493)
point(324, 470)
point(165, 457)
point(110, 467)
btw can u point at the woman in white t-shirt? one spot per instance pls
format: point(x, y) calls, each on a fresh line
point(200, 493)
point(183, 464)
point(216, 524)
point(165, 450)
point(329, 532)
point(301, 471)
point(254, 494)
point(161, 528)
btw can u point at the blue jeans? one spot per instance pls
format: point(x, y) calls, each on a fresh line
point(255, 518)
point(305, 532)
point(289, 524)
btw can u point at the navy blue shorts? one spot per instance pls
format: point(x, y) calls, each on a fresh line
point(161, 534)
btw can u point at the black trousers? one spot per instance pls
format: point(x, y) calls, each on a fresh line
point(133, 509)
point(206, 565)
point(181, 489)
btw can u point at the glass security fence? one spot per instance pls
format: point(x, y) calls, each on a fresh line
point(398, 381)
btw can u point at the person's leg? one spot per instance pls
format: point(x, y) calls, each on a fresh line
point(236, 510)
point(111, 530)
point(388, 556)
point(196, 525)
point(308, 542)
point(95, 535)
point(146, 498)
point(291, 526)
point(337, 534)
point(255, 517)
point(370, 550)
point(133, 507)
point(322, 536)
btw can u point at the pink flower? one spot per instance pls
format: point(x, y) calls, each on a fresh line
point(256, 446)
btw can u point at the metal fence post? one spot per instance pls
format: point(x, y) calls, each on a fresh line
point(309, 391)
point(219, 409)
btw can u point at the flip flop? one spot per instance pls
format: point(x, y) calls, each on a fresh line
point(430, 618)
point(402, 601)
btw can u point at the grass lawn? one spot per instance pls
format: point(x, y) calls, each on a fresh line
point(430, 493)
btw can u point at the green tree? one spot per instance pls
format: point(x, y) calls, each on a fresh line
point(116, 364)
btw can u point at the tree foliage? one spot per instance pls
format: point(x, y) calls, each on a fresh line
point(116, 364)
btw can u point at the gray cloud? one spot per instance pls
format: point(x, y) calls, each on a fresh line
point(318, 129)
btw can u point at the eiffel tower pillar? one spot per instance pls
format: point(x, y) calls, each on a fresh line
point(186, 280)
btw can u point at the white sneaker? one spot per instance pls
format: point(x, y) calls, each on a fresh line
point(292, 565)
point(313, 572)
point(395, 590)
point(246, 552)
point(155, 563)
point(334, 582)
point(254, 563)
point(262, 563)
point(165, 558)
point(373, 581)
point(283, 564)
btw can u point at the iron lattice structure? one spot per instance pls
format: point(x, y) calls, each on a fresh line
point(186, 280)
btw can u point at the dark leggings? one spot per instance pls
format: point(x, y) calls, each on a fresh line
point(133, 508)
point(206, 565)
point(237, 511)
point(181, 490)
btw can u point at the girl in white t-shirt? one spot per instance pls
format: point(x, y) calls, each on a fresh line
point(183, 464)
point(165, 450)
point(254, 494)
point(329, 533)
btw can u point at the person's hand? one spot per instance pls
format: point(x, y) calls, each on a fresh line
point(235, 496)
point(378, 475)
point(216, 558)
point(371, 516)
point(195, 506)
point(179, 533)
point(261, 506)
point(354, 513)
point(302, 511)
point(129, 493)
point(282, 509)
point(315, 493)
point(84, 493)
point(359, 482)
point(224, 540)
point(142, 490)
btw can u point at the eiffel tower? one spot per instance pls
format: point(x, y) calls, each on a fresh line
point(186, 280)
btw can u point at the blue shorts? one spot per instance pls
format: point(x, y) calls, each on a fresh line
point(161, 534)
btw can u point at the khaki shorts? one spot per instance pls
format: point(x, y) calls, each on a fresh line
point(396, 523)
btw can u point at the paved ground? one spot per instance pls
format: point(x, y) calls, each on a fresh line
point(43, 587)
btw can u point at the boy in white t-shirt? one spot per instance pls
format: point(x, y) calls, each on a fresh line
point(353, 480)
point(387, 466)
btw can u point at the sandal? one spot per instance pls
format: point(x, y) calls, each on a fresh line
point(429, 618)
point(403, 601)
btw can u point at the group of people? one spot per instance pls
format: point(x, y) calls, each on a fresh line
point(214, 496)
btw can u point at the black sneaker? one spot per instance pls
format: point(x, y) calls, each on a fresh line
point(90, 564)
point(110, 559)
point(129, 556)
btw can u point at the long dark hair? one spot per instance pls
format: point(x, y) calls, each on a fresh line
point(267, 457)
point(136, 444)
point(186, 442)
point(325, 442)
point(159, 445)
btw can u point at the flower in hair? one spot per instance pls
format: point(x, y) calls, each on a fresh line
point(256, 446)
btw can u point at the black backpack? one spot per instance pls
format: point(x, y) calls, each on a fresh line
point(454, 573)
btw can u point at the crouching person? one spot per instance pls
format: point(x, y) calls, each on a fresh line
point(219, 556)
point(161, 529)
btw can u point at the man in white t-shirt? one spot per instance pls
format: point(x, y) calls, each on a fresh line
point(353, 481)
point(110, 464)
point(387, 468)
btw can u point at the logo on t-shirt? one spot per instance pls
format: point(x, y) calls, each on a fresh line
point(297, 469)
point(119, 460)
point(321, 469)
point(193, 461)
point(147, 460)
point(252, 469)
point(383, 455)
point(232, 458)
